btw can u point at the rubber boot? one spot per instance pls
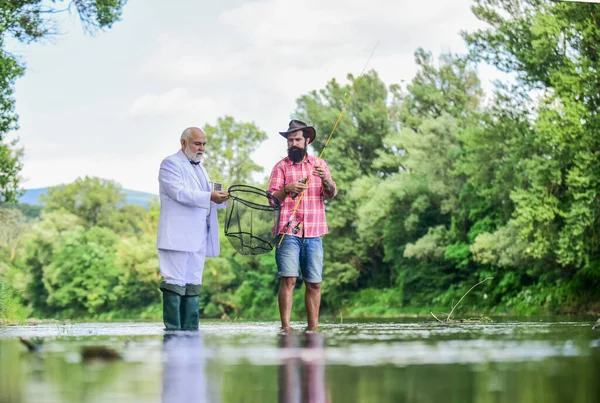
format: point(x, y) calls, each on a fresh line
point(171, 310)
point(190, 309)
point(171, 303)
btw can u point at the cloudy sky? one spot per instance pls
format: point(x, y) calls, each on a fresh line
point(113, 105)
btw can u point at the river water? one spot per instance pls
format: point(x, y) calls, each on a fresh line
point(414, 360)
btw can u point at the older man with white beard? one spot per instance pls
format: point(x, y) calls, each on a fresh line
point(187, 229)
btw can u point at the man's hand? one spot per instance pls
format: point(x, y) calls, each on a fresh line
point(327, 182)
point(319, 171)
point(219, 197)
point(295, 187)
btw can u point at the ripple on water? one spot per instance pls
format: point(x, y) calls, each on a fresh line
point(354, 344)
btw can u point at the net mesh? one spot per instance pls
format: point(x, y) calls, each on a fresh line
point(252, 216)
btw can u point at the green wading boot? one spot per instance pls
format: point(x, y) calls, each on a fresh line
point(189, 309)
point(172, 295)
point(171, 313)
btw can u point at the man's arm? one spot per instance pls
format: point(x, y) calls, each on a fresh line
point(171, 181)
point(280, 189)
point(276, 183)
point(329, 187)
point(280, 194)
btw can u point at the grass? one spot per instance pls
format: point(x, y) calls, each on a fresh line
point(449, 317)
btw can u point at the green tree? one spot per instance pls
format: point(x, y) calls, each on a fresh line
point(93, 199)
point(63, 258)
point(12, 225)
point(138, 273)
point(452, 87)
point(410, 203)
point(40, 246)
point(10, 166)
point(494, 150)
point(133, 219)
point(83, 274)
point(29, 21)
point(553, 47)
point(230, 144)
point(30, 211)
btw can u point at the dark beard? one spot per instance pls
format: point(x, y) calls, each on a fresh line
point(296, 154)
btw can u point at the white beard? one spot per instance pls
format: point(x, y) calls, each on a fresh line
point(191, 156)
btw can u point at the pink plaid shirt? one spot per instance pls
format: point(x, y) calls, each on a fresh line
point(311, 211)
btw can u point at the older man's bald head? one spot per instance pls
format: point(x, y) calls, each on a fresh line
point(193, 141)
point(191, 131)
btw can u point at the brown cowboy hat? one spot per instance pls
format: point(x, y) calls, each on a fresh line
point(296, 125)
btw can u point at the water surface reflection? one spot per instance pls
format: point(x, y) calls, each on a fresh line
point(184, 368)
point(363, 362)
point(302, 370)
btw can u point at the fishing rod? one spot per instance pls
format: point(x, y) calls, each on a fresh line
point(348, 98)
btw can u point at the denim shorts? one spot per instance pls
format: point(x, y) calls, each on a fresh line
point(306, 252)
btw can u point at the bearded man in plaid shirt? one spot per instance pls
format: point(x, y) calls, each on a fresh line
point(303, 229)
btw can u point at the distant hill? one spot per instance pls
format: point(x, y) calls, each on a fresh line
point(140, 198)
point(31, 196)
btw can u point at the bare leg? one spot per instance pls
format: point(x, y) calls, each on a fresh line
point(286, 290)
point(312, 300)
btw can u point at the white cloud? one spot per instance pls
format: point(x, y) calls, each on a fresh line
point(261, 56)
point(137, 173)
point(252, 62)
point(175, 101)
point(260, 44)
point(187, 56)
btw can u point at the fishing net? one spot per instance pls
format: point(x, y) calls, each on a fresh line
point(252, 217)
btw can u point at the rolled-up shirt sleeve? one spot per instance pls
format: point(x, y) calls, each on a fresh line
point(277, 179)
